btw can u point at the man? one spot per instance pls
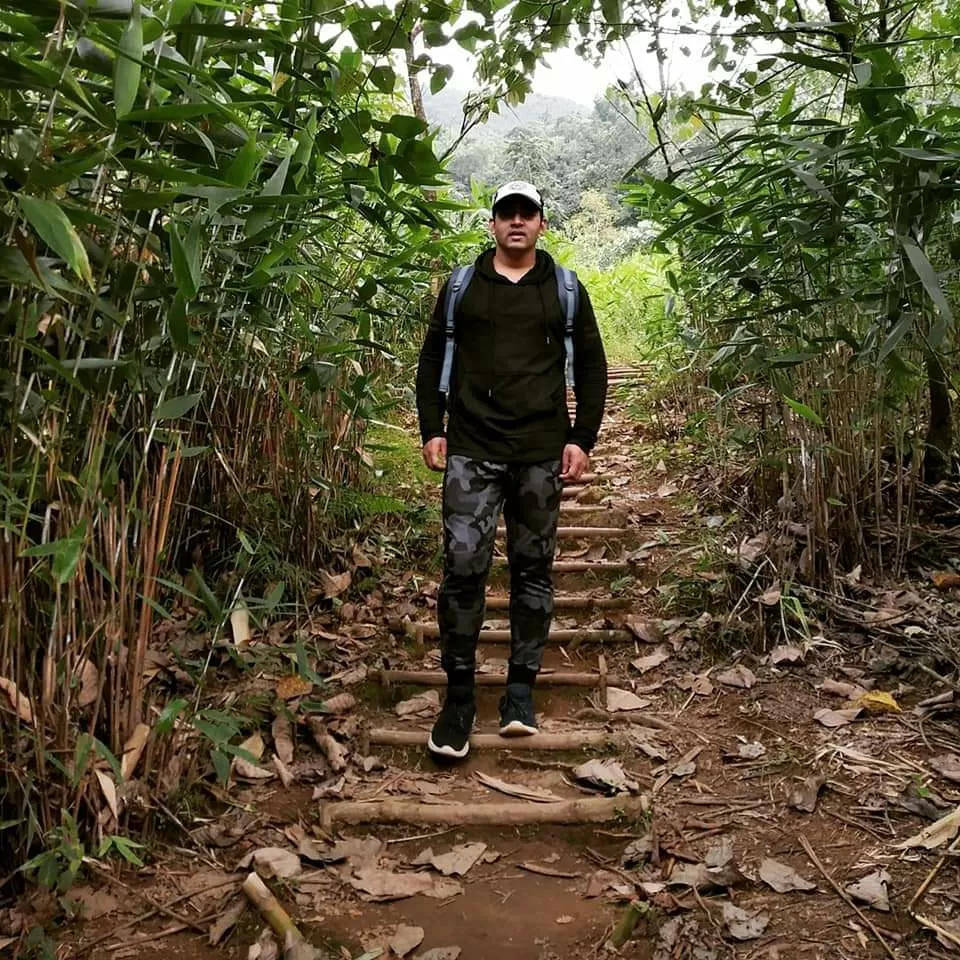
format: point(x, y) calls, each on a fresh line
point(508, 442)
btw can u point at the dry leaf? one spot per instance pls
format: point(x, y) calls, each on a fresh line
point(696, 683)
point(622, 700)
point(265, 947)
point(607, 775)
point(283, 772)
point(440, 953)
point(783, 878)
point(17, 700)
point(600, 881)
point(566, 918)
point(240, 624)
point(738, 676)
point(720, 854)
point(379, 884)
point(936, 835)
point(836, 718)
point(340, 704)
point(404, 939)
point(840, 688)
point(133, 750)
point(247, 769)
point(458, 861)
point(292, 686)
point(744, 924)
point(422, 706)
point(651, 661)
point(282, 732)
point(805, 796)
point(89, 682)
point(536, 794)
point(109, 789)
point(336, 754)
point(667, 489)
point(771, 596)
point(872, 890)
point(333, 585)
point(751, 751)
point(227, 920)
point(702, 877)
point(946, 580)
point(786, 654)
point(274, 862)
point(649, 631)
point(947, 765)
point(878, 701)
point(90, 904)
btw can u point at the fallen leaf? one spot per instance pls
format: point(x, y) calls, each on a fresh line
point(947, 765)
point(340, 704)
point(537, 794)
point(948, 934)
point(240, 624)
point(649, 631)
point(296, 948)
point(936, 835)
point(546, 871)
point(133, 750)
point(90, 904)
point(89, 678)
point(783, 878)
point(946, 580)
point(836, 718)
point(599, 882)
point(771, 596)
point(18, 701)
point(696, 683)
point(878, 701)
point(358, 852)
point(265, 947)
point(440, 953)
point(109, 790)
point(667, 489)
point(245, 768)
point(607, 775)
point(744, 924)
point(422, 706)
point(872, 890)
point(333, 585)
point(637, 852)
point(651, 661)
point(622, 700)
point(702, 877)
point(274, 862)
point(404, 939)
point(747, 751)
point(786, 654)
point(840, 688)
point(379, 884)
point(282, 732)
point(226, 920)
point(738, 676)
point(720, 854)
point(460, 860)
point(293, 686)
point(805, 796)
point(566, 918)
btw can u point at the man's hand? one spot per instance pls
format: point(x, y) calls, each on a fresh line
point(435, 453)
point(574, 463)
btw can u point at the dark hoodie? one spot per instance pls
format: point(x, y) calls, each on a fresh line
point(507, 398)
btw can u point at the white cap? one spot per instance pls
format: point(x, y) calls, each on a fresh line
point(519, 188)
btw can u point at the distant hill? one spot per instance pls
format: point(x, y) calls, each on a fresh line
point(446, 110)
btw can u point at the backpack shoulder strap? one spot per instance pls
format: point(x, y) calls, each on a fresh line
point(568, 290)
point(456, 287)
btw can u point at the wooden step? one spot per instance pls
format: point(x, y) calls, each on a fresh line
point(571, 493)
point(580, 566)
point(574, 740)
point(437, 678)
point(430, 631)
point(582, 533)
point(580, 508)
point(568, 603)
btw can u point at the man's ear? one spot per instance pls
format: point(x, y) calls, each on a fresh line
point(490, 225)
point(543, 225)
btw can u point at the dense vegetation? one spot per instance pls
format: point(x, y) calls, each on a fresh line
point(221, 223)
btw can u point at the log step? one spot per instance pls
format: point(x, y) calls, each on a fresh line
point(568, 603)
point(568, 508)
point(575, 740)
point(580, 566)
point(437, 678)
point(494, 813)
point(571, 493)
point(582, 533)
point(430, 631)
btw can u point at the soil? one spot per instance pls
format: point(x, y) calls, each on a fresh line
point(875, 771)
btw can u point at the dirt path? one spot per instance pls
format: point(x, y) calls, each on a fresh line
point(725, 784)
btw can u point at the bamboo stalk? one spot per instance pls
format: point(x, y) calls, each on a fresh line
point(576, 740)
point(580, 566)
point(430, 631)
point(582, 533)
point(567, 603)
point(588, 810)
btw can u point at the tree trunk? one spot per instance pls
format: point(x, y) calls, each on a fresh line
point(939, 439)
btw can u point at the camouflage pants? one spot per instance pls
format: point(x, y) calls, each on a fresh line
point(473, 493)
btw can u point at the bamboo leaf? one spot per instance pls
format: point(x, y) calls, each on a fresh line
point(177, 322)
point(58, 233)
point(67, 553)
point(802, 410)
point(185, 254)
point(928, 276)
point(240, 171)
point(176, 407)
point(126, 74)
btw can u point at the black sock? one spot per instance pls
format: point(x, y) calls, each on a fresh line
point(519, 674)
point(461, 679)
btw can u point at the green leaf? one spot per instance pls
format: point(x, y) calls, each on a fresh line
point(802, 410)
point(928, 276)
point(186, 258)
point(67, 552)
point(126, 71)
point(406, 127)
point(221, 763)
point(441, 77)
point(57, 232)
point(898, 332)
point(168, 716)
point(241, 169)
point(176, 407)
point(177, 322)
point(836, 67)
point(384, 79)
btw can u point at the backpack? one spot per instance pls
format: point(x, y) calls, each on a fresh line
point(568, 291)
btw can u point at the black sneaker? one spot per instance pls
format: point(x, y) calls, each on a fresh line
point(517, 716)
point(450, 736)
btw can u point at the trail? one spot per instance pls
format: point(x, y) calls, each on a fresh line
point(510, 856)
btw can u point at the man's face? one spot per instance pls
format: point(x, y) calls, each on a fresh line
point(517, 224)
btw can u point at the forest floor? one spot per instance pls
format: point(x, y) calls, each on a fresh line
point(765, 794)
